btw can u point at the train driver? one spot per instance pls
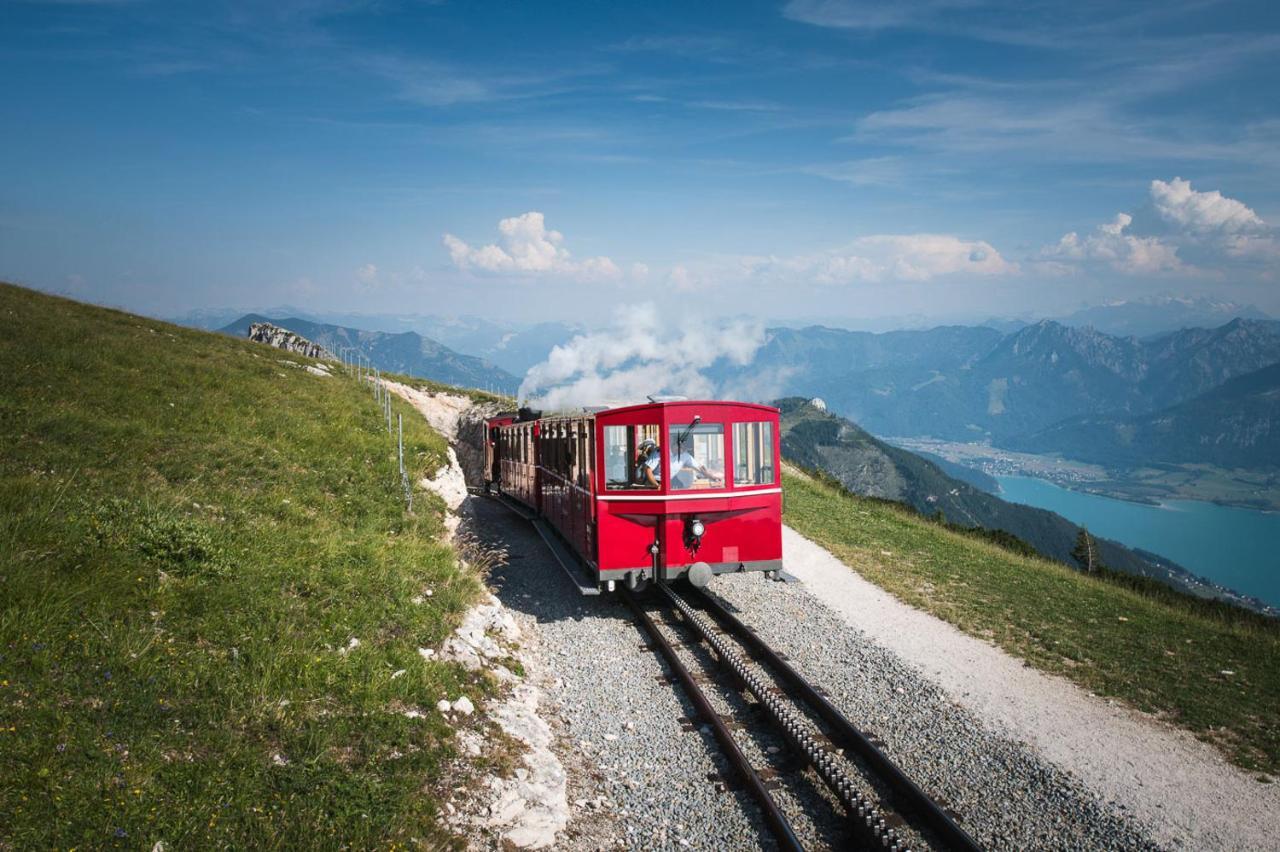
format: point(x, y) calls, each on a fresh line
point(649, 464)
point(685, 468)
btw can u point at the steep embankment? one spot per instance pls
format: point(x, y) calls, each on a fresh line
point(211, 596)
point(1210, 669)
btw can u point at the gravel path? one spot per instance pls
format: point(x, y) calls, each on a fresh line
point(1005, 796)
point(656, 778)
point(1180, 788)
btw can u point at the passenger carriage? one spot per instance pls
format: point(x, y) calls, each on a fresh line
point(713, 504)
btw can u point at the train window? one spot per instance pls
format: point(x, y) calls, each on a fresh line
point(696, 452)
point(753, 454)
point(623, 464)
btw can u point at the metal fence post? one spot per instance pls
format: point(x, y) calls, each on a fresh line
point(400, 441)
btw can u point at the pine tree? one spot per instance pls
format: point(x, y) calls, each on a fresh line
point(1086, 551)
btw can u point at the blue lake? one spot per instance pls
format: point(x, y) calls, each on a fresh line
point(1238, 548)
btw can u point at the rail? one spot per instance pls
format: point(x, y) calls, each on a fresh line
point(777, 820)
point(908, 798)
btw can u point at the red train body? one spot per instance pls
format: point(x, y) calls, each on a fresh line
point(710, 503)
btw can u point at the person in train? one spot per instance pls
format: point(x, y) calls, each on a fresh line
point(649, 464)
point(685, 469)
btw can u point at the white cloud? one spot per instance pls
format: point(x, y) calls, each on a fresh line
point(682, 280)
point(872, 171)
point(368, 274)
point(643, 353)
point(868, 14)
point(887, 257)
point(1191, 233)
point(527, 247)
point(1111, 246)
point(1201, 212)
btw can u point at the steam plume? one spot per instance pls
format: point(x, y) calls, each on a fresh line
point(644, 352)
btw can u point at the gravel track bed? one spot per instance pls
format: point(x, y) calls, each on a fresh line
point(1005, 796)
point(834, 833)
point(814, 813)
point(656, 780)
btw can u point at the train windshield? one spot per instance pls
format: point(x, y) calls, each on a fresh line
point(753, 454)
point(697, 455)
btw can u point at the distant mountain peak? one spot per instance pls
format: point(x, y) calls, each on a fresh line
point(395, 352)
point(1155, 315)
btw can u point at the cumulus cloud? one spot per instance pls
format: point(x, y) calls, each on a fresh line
point(368, 274)
point(642, 353)
point(1212, 232)
point(1109, 244)
point(887, 257)
point(527, 247)
point(1202, 212)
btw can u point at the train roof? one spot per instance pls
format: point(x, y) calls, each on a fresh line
point(682, 403)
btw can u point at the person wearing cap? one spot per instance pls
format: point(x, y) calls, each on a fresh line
point(649, 464)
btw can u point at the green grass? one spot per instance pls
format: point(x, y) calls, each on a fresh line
point(1160, 653)
point(191, 528)
point(474, 394)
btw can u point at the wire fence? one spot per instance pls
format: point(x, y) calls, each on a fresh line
point(359, 367)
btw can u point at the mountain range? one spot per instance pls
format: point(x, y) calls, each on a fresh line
point(1046, 387)
point(977, 384)
point(1235, 425)
point(1159, 315)
point(814, 438)
point(515, 347)
point(404, 352)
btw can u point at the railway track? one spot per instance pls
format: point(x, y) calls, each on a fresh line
point(878, 806)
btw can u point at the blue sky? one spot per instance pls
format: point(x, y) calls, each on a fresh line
point(814, 158)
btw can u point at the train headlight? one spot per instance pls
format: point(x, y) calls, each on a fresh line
point(697, 528)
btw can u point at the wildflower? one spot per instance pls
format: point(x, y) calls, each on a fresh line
point(120, 832)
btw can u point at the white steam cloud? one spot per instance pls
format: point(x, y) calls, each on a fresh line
point(644, 352)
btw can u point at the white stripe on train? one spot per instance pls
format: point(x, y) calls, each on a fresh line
point(714, 496)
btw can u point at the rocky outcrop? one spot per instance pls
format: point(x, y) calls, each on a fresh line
point(460, 419)
point(282, 338)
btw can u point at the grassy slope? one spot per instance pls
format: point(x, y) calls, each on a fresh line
point(1161, 656)
point(190, 529)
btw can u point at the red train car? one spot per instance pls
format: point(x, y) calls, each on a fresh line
point(661, 490)
point(492, 457)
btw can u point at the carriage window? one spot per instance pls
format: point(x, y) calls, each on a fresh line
point(623, 462)
point(696, 453)
point(753, 454)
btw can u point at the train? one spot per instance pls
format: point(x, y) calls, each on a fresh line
point(668, 490)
